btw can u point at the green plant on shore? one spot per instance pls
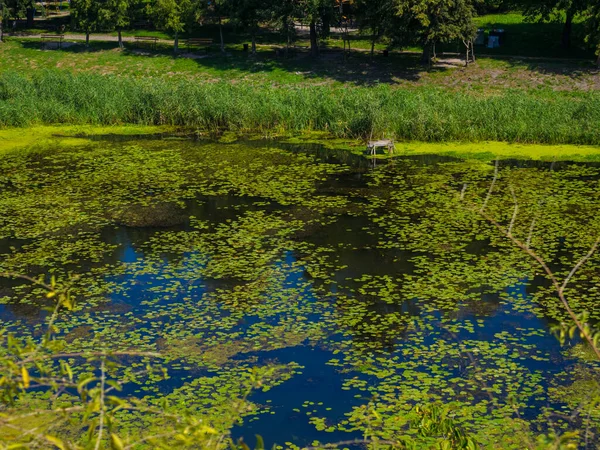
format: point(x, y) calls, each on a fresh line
point(425, 114)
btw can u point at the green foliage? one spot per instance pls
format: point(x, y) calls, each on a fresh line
point(85, 15)
point(438, 21)
point(375, 17)
point(567, 331)
point(436, 421)
point(172, 15)
point(593, 28)
point(422, 114)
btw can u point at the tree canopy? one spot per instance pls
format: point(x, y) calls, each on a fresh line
point(400, 23)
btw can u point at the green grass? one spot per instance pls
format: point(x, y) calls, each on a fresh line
point(402, 70)
point(424, 114)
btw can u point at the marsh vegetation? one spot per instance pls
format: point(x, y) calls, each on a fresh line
point(425, 114)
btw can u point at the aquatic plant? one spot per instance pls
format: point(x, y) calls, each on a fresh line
point(371, 301)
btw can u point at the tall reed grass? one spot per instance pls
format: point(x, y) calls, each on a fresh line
point(426, 114)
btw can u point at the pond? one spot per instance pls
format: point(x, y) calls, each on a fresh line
point(354, 289)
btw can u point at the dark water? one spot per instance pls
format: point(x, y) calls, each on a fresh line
point(360, 249)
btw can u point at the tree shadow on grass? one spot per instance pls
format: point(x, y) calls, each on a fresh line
point(68, 46)
point(579, 72)
point(358, 69)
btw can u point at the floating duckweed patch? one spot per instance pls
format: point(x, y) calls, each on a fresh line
point(17, 138)
point(355, 293)
point(504, 150)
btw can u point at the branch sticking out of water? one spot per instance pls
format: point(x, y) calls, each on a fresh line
point(525, 247)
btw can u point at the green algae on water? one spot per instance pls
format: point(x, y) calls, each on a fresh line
point(357, 293)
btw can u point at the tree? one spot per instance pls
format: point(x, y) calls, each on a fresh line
point(84, 14)
point(283, 14)
point(314, 11)
point(115, 14)
point(215, 9)
point(592, 25)
point(3, 16)
point(249, 14)
point(438, 21)
point(547, 10)
point(374, 16)
point(30, 12)
point(16, 9)
point(173, 16)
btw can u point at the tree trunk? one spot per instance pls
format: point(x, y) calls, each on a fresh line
point(426, 55)
point(326, 25)
point(567, 30)
point(372, 48)
point(176, 43)
point(598, 60)
point(1, 31)
point(87, 39)
point(253, 42)
point(30, 16)
point(221, 35)
point(314, 45)
point(120, 38)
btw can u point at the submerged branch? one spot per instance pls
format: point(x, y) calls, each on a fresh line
point(489, 194)
point(515, 212)
point(530, 235)
point(579, 264)
point(559, 288)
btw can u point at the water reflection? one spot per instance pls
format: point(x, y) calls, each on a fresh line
point(370, 265)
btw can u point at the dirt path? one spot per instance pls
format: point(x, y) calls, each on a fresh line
point(81, 37)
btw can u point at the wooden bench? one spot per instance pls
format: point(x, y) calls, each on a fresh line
point(151, 39)
point(48, 38)
point(199, 42)
point(348, 38)
point(372, 146)
point(357, 37)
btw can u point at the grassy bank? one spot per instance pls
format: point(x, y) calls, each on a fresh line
point(424, 114)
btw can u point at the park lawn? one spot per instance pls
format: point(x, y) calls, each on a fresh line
point(402, 70)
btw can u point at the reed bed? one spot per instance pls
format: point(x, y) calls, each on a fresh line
point(424, 114)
